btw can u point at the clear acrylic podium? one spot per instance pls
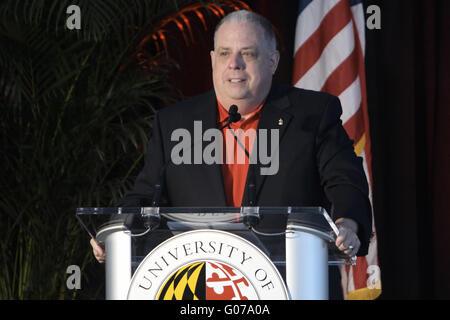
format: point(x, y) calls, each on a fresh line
point(298, 241)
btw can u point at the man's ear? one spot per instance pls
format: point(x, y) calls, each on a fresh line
point(274, 59)
point(211, 53)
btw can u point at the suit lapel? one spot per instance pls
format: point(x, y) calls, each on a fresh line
point(273, 117)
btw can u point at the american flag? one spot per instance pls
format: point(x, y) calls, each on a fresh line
point(329, 56)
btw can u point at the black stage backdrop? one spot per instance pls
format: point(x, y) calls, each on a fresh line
point(408, 84)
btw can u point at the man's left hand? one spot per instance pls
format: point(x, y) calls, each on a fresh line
point(347, 241)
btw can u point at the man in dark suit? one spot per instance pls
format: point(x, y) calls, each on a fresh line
point(316, 166)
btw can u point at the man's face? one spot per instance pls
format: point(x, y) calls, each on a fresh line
point(242, 63)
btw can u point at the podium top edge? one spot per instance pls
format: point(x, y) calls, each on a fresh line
point(184, 210)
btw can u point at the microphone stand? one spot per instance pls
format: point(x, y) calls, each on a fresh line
point(234, 116)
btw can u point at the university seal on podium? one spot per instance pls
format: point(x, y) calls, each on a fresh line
point(207, 265)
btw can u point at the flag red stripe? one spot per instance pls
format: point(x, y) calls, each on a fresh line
point(343, 76)
point(360, 273)
point(307, 55)
point(355, 125)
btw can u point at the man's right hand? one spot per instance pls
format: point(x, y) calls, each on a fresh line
point(98, 250)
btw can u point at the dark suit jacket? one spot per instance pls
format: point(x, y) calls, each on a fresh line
point(318, 166)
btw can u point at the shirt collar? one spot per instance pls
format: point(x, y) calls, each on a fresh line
point(223, 113)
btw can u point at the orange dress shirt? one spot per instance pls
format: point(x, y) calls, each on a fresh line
point(234, 169)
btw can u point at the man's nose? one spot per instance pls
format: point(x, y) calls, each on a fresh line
point(236, 62)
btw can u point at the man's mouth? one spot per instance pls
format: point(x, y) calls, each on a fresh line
point(236, 80)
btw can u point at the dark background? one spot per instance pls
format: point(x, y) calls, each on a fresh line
point(408, 84)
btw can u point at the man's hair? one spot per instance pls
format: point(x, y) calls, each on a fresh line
point(254, 18)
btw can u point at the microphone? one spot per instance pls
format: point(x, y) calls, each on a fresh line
point(233, 113)
point(233, 116)
point(159, 186)
point(152, 220)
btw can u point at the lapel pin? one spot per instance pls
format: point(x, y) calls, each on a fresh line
point(280, 122)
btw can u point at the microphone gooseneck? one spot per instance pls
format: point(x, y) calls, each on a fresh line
point(234, 116)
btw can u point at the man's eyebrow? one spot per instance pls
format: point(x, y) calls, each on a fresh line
point(249, 48)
